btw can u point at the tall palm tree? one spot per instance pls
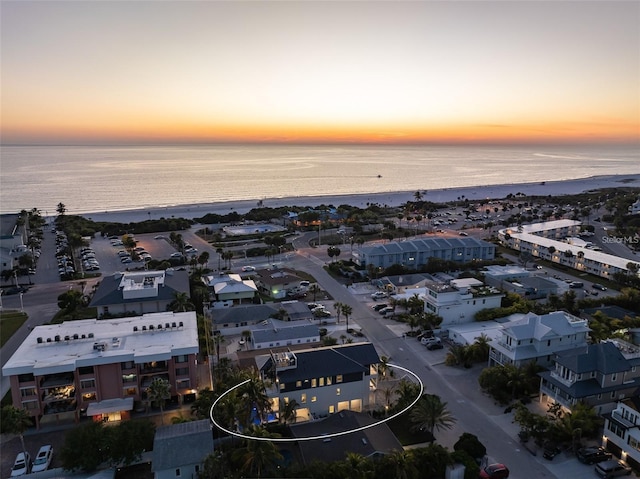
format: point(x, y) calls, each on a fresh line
point(288, 412)
point(431, 413)
point(338, 307)
point(253, 394)
point(347, 311)
point(158, 392)
point(314, 289)
point(16, 421)
point(383, 367)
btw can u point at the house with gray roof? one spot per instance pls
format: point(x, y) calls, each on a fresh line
point(416, 253)
point(372, 442)
point(622, 430)
point(597, 374)
point(240, 318)
point(179, 450)
point(230, 288)
point(322, 381)
point(538, 338)
point(276, 336)
point(138, 292)
point(277, 282)
point(400, 283)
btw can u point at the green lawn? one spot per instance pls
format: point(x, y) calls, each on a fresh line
point(10, 322)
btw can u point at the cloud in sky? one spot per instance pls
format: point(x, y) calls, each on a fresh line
point(320, 71)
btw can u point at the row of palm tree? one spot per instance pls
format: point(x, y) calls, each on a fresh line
point(342, 308)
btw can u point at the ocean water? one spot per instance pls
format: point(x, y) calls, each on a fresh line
point(92, 179)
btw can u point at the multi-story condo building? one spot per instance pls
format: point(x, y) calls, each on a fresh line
point(599, 375)
point(459, 300)
point(542, 240)
point(322, 381)
point(139, 292)
point(100, 367)
point(538, 338)
point(622, 431)
point(416, 253)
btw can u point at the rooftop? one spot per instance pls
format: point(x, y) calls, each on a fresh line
point(57, 348)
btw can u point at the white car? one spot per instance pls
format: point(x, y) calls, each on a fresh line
point(43, 459)
point(159, 237)
point(379, 295)
point(248, 268)
point(22, 464)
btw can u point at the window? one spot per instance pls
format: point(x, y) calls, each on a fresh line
point(332, 409)
point(127, 365)
point(26, 392)
point(298, 384)
point(89, 396)
point(85, 370)
point(181, 359)
point(88, 384)
point(314, 382)
point(178, 473)
point(614, 377)
point(329, 381)
point(30, 405)
point(282, 386)
point(339, 378)
point(129, 378)
point(25, 378)
point(303, 398)
point(337, 391)
point(321, 381)
point(132, 391)
point(314, 398)
point(183, 384)
point(617, 430)
point(182, 371)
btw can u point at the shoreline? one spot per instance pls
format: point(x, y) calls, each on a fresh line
point(441, 195)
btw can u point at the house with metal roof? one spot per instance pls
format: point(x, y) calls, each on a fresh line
point(538, 338)
point(416, 253)
point(372, 442)
point(179, 450)
point(598, 374)
point(277, 282)
point(240, 318)
point(276, 336)
point(230, 288)
point(138, 292)
point(323, 380)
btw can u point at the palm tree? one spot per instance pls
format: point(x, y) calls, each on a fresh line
point(347, 310)
point(431, 413)
point(338, 307)
point(256, 456)
point(181, 302)
point(16, 421)
point(253, 394)
point(203, 259)
point(383, 367)
point(219, 250)
point(158, 392)
point(314, 289)
point(288, 413)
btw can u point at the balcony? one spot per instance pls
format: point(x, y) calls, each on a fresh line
point(566, 382)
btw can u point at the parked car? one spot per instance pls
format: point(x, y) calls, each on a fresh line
point(434, 345)
point(599, 286)
point(22, 465)
point(385, 310)
point(379, 306)
point(425, 340)
point(462, 233)
point(550, 450)
point(612, 468)
point(494, 471)
point(379, 295)
point(159, 237)
point(43, 459)
point(248, 268)
point(592, 455)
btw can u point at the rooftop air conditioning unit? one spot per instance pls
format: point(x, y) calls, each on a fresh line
point(76, 336)
point(135, 328)
point(48, 340)
point(39, 340)
point(57, 338)
point(90, 335)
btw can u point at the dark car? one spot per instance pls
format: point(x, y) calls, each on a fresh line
point(592, 455)
point(15, 290)
point(378, 307)
point(494, 471)
point(550, 451)
point(433, 345)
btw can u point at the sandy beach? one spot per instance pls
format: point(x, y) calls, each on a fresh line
point(552, 188)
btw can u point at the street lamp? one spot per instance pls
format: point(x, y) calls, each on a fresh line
point(21, 304)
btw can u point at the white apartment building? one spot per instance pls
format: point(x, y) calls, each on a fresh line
point(459, 300)
point(538, 338)
point(542, 240)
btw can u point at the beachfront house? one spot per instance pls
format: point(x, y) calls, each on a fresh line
point(101, 368)
point(538, 338)
point(323, 380)
point(138, 292)
point(416, 253)
point(599, 375)
point(622, 431)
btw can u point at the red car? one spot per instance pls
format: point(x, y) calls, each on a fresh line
point(494, 471)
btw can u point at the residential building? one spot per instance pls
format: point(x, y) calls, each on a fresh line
point(634, 209)
point(538, 338)
point(372, 442)
point(416, 253)
point(240, 318)
point(138, 292)
point(598, 374)
point(323, 380)
point(179, 450)
point(277, 336)
point(101, 367)
point(543, 240)
point(622, 431)
point(403, 282)
point(276, 282)
point(230, 289)
point(459, 300)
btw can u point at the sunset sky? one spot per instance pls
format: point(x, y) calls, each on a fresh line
point(87, 72)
